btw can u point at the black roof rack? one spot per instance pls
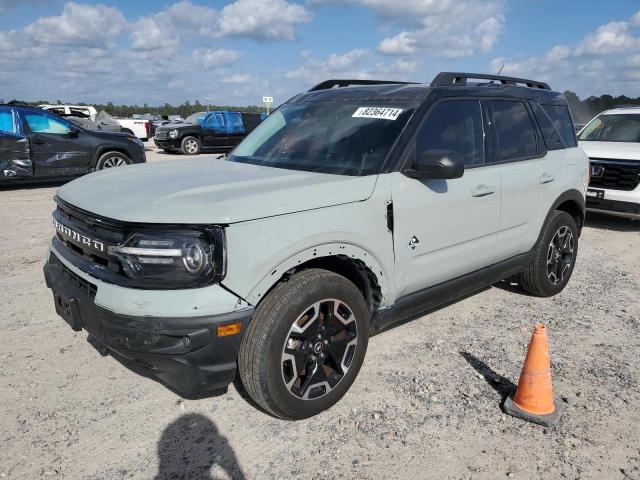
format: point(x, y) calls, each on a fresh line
point(345, 83)
point(447, 79)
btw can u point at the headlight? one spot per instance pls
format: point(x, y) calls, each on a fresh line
point(178, 259)
point(173, 133)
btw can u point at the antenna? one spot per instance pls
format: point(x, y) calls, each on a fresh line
point(500, 71)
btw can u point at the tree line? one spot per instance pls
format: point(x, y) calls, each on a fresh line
point(583, 110)
point(184, 110)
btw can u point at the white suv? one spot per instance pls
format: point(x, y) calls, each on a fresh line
point(612, 142)
point(353, 207)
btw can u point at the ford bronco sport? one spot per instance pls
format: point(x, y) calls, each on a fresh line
point(355, 206)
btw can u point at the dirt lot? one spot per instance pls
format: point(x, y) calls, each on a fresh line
point(425, 405)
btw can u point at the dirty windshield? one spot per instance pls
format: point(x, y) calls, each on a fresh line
point(345, 138)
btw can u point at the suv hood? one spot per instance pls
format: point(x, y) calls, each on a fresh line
point(208, 191)
point(611, 150)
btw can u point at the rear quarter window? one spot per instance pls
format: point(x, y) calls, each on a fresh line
point(561, 118)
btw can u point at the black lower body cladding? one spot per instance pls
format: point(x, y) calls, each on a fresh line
point(184, 354)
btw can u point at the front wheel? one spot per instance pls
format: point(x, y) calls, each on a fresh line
point(555, 257)
point(305, 344)
point(112, 160)
point(190, 146)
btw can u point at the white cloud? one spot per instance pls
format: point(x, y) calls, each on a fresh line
point(604, 61)
point(208, 58)
point(262, 19)
point(635, 20)
point(613, 37)
point(313, 70)
point(443, 28)
point(79, 25)
point(237, 78)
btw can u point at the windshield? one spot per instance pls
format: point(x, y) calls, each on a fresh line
point(613, 128)
point(345, 138)
point(193, 118)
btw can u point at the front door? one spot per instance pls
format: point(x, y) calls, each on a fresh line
point(15, 159)
point(214, 131)
point(444, 229)
point(57, 147)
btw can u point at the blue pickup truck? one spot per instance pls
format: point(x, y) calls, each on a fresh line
point(218, 131)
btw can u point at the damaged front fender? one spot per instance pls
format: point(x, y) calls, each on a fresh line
point(15, 156)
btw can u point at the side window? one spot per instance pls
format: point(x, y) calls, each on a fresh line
point(220, 119)
point(559, 115)
point(7, 123)
point(454, 125)
point(514, 131)
point(552, 138)
point(39, 123)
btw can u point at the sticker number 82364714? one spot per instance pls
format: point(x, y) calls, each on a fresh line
point(383, 113)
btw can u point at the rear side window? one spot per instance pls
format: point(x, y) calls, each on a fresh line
point(456, 126)
point(7, 123)
point(559, 115)
point(515, 135)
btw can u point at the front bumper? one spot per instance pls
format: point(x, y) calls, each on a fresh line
point(168, 143)
point(183, 353)
point(615, 202)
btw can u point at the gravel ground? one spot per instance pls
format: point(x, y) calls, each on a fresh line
point(425, 405)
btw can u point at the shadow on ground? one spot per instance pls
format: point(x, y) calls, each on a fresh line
point(500, 384)
point(191, 446)
point(610, 222)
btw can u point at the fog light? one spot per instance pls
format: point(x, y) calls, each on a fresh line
point(227, 329)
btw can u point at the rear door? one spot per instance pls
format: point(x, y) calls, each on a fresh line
point(15, 158)
point(57, 147)
point(528, 174)
point(444, 229)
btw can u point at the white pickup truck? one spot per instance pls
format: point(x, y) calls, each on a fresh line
point(137, 127)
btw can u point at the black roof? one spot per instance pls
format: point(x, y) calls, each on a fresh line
point(445, 84)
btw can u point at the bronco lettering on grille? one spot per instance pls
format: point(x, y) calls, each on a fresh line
point(78, 237)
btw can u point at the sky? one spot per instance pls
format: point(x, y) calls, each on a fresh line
point(235, 52)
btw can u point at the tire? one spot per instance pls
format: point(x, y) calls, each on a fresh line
point(554, 257)
point(112, 160)
point(276, 341)
point(190, 145)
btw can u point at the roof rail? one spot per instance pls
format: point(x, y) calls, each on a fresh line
point(445, 79)
point(345, 83)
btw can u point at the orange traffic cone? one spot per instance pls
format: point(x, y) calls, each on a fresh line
point(533, 399)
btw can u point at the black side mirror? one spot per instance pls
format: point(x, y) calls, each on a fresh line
point(437, 164)
point(74, 132)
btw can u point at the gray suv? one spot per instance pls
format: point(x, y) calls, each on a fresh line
point(353, 207)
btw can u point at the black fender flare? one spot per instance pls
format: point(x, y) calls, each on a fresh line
point(575, 197)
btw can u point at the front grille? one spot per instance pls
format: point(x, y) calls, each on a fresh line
point(617, 175)
point(613, 206)
point(87, 237)
point(79, 282)
point(160, 135)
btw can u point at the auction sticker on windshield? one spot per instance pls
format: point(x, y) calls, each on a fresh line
point(382, 113)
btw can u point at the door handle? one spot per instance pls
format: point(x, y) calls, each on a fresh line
point(546, 178)
point(38, 141)
point(483, 190)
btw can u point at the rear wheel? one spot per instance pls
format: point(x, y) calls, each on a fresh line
point(190, 146)
point(112, 160)
point(305, 344)
point(555, 257)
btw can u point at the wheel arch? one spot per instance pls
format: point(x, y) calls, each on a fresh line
point(352, 262)
point(572, 202)
point(108, 148)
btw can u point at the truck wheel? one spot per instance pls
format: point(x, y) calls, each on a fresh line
point(190, 145)
point(555, 257)
point(305, 344)
point(112, 160)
